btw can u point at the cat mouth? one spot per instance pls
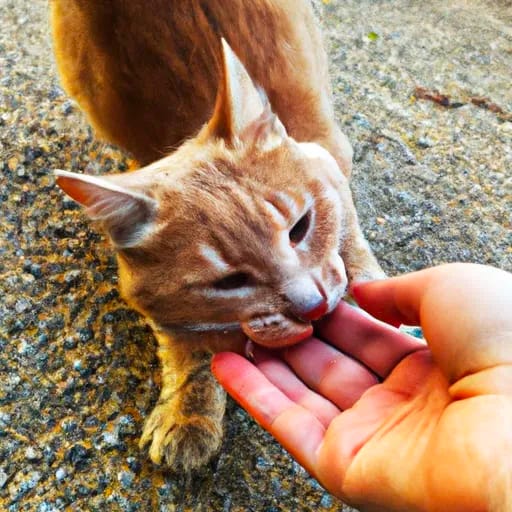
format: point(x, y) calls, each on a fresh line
point(276, 330)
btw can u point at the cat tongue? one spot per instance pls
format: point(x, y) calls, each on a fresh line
point(276, 331)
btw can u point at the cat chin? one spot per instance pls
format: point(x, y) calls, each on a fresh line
point(276, 330)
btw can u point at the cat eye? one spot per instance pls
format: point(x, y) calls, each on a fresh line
point(234, 281)
point(300, 230)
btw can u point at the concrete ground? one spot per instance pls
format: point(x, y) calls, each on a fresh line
point(78, 372)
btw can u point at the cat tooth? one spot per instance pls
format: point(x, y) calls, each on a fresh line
point(249, 350)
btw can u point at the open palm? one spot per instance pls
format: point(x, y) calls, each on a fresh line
point(381, 419)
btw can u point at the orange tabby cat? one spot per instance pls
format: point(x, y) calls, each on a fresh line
point(248, 229)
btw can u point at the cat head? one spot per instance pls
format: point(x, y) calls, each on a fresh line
point(241, 227)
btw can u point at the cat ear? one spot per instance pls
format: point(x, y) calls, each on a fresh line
point(126, 215)
point(242, 111)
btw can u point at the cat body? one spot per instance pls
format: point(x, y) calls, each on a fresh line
point(247, 228)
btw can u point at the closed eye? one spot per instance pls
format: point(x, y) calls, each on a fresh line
point(300, 229)
point(234, 281)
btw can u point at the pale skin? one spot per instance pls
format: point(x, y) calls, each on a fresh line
point(383, 421)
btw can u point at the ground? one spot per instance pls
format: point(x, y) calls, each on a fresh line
point(78, 372)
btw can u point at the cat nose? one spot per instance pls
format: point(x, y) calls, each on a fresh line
point(312, 310)
point(307, 299)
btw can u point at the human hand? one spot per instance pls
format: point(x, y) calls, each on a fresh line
point(384, 421)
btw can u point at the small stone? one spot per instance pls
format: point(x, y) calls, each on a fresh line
point(70, 343)
point(78, 455)
point(24, 348)
point(72, 276)
point(326, 501)
point(424, 142)
point(361, 121)
point(28, 484)
point(126, 478)
point(111, 439)
point(35, 270)
point(134, 464)
point(49, 455)
point(47, 507)
point(67, 107)
point(3, 478)
point(22, 305)
point(32, 454)
point(61, 474)
point(12, 163)
point(5, 419)
point(126, 425)
point(85, 334)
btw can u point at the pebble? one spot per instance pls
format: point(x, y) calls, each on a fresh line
point(424, 142)
point(3, 478)
point(22, 305)
point(61, 474)
point(5, 419)
point(70, 343)
point(32, 454)
point(326, 501)
point(47, 507)
point(78, 456)
point(72, 276)
point(126, 478)
point(67, 107)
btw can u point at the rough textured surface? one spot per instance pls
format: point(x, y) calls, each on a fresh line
point(78, 369)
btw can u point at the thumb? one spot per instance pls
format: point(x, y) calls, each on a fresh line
point(465, 311)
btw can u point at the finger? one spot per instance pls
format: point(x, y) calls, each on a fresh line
point(280, 374)
point(464, 310)
point(329, 372)
point(379, 299)
point(375, 344)
point(296, 428)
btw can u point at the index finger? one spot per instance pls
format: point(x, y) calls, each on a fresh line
point(298, 430)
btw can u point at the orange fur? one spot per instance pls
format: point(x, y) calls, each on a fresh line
point(248, 228)
point(147, 72)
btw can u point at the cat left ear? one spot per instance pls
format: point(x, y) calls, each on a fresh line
point(126, 215)
point(242, 111)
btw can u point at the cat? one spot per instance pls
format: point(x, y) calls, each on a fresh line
point(240, 224)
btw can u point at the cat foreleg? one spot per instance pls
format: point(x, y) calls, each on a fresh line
point(184, 430)
point(360, 262)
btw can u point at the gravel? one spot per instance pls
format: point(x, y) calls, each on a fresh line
point(79, 371)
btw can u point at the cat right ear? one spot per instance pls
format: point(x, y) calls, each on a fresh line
point(242, 111)
point(126, 215)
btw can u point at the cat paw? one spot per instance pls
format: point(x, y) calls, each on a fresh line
point(369, 273)
point(182, 443)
